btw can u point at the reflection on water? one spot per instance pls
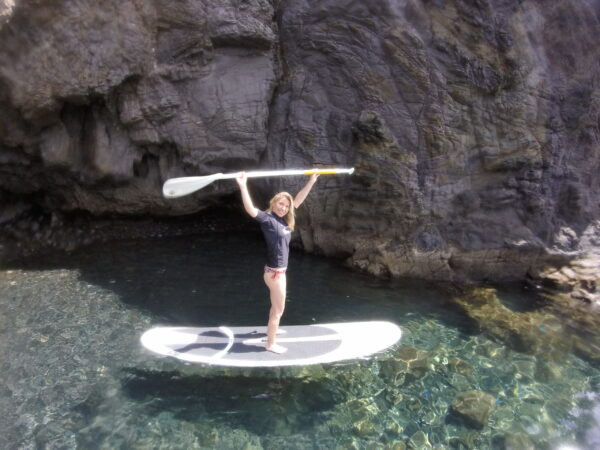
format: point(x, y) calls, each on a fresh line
point(75, 376)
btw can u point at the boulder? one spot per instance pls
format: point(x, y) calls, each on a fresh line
point(408, 364)
point(473, 408)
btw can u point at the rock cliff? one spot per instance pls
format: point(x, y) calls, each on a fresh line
point(473, 125)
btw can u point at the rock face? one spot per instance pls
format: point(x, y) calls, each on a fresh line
point(107, 101)
point(473, 126)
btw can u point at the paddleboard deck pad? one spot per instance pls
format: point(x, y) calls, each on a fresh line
point(245, 346)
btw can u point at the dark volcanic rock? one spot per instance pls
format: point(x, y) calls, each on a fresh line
point(102, 103)
point(473, 126)
point(454, 116)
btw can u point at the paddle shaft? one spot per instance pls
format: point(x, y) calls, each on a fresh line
point(282, 173)
point(178, 187)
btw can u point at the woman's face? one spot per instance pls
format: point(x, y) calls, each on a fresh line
point(281, 206)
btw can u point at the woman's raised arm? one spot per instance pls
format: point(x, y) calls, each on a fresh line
point(301, 196)
point(246, 199)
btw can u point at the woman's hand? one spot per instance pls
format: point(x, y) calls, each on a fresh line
point(313, 177)
point(241, 179)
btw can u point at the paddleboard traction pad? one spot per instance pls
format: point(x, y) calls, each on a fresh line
point(245, 346)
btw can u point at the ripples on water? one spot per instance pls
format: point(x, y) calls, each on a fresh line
point(74, 374)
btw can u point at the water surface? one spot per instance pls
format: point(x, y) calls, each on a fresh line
point(75, 376)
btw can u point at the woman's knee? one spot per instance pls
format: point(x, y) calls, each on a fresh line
point(276, 313)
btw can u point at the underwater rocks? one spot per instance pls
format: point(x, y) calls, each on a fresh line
point(461, 367)
point(474, 407)
point(407, 365)
point(515, 441)
point(419, 440)
point(75, 375)
point(520, 330)
point(550, 330)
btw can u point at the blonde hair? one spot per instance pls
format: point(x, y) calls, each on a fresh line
point(290, 217)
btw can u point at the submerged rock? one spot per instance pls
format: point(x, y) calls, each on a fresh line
point(419, 441)
point(365, 428)
point(408, 363)
point(461, 367)
point(473, 407)
point(517, 441)
point(396, 445)
point(536, 331)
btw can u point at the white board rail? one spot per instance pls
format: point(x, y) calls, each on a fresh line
point(244, 346)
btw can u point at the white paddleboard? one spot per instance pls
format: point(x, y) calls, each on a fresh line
point(245, 346)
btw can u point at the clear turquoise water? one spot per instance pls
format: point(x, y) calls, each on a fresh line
point(74, 375)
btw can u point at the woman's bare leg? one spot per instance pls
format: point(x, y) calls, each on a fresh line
point(277, 288)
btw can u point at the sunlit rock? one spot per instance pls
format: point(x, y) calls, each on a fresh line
point(579, 279)
point(393, 396)
point(394, 428)
point(365, 428)
point(407, 363)
point(516, 441)
point(534, 331)
point(459, 382)
point(473, 407)
point(420, 441)
point(362, 409)
point(396, 445)
point(461, 367)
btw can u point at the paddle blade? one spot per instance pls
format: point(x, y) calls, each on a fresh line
point(178, 187)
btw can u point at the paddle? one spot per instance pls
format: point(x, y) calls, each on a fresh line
point(178, 187)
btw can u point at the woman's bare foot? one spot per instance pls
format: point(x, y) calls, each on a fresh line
point(276, 348)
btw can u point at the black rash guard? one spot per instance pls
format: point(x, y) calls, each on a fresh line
point(278, 236)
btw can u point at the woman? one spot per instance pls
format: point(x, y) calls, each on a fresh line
point(277, 224)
